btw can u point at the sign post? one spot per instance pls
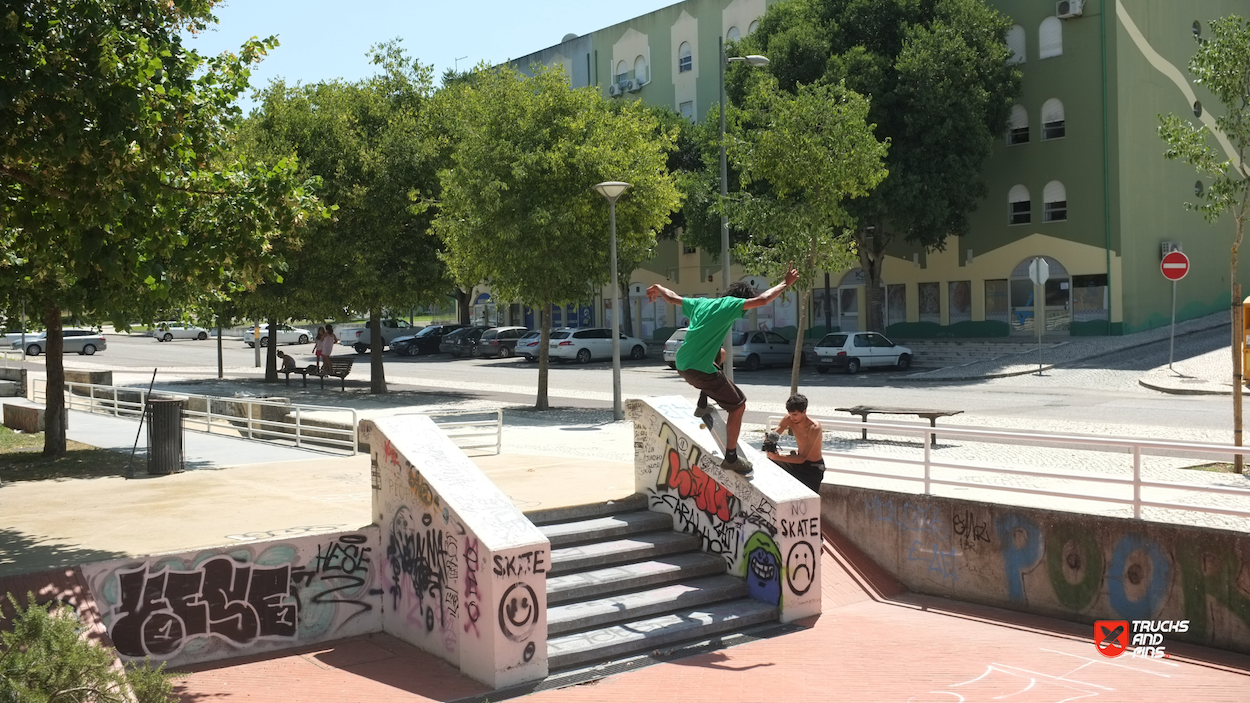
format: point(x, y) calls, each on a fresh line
point(1039, 272)
point(1174, 267)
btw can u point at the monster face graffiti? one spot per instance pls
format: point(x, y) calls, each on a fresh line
point(763, 568)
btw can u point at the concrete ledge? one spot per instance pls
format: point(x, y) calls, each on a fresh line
point(97, 378)
point(24, 415)
point(13, 382)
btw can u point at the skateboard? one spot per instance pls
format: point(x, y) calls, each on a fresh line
point(715, 426)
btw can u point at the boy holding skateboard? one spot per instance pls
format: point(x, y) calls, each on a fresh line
point(806, 464)
point(710, 320)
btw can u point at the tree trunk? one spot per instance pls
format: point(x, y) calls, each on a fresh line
point(462, 306)
point(544, 359)
point(56, 420)
point(627, 319)
point(870, 256)
point(377, 374)
point(220, 363)
point(804, 301)
point(271, 352)
point(1239, 335)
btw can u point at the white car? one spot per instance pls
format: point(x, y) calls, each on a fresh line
point(592, 343)
point(528, 345)
point(83, 341)
point(169, 331)
point(853, 350)
point(286, 335)
point(672, 345)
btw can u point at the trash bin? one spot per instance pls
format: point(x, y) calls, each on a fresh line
point(164, 436)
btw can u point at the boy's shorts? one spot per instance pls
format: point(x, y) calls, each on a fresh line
point(716, 387)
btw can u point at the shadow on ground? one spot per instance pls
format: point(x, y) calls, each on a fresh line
point(22, 553)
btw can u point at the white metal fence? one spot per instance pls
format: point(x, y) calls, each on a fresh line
point(1086, 487)
point(471, 429)
point(8, 358)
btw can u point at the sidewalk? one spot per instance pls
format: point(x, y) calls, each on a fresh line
point(1207, 374)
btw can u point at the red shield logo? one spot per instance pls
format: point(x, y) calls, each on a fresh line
point(1111, 637)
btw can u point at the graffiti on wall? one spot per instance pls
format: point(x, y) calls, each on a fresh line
point(933, 543)
point(182, 605)
point(422, 556)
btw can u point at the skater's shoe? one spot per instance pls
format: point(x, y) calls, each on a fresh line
point(703, 411)
point(738, 466)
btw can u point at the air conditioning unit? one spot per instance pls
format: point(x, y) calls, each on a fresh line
point(1168, 248)
point(614, 91)
point(633, 86)
point(1067, 9)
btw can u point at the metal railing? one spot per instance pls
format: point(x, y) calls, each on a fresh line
point(1125, 490)
point(7, 357)
point(247, 418)
point(470, 429)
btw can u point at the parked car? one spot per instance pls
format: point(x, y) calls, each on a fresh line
point(853, 350)
point(424, 342)
point(500, 341)
point(286, 335)
point(592, 343)
point(672, 345)
point(462, 343)
point(361, 338)
point(759, 348)
point(86, 342)
point(169, 331)
point(530, 345)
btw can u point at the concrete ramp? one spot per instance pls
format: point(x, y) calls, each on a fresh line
point(766, 528)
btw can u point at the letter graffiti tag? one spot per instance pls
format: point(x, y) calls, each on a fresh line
point(471, 595)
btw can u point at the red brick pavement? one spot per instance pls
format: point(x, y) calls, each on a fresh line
point(865, 647)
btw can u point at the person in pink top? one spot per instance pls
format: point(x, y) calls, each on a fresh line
point(326, 345)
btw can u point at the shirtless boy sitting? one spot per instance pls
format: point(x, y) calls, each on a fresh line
point(807, 465)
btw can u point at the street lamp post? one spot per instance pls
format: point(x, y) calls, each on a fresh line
point(613, 190)
point(752, 60)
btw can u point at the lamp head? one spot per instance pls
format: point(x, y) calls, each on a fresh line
point(612, 189)
point(752, 60)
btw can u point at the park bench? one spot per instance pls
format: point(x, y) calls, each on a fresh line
point(932, 415)
point(340, 366)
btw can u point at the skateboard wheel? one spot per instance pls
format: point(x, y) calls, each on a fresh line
point(702, 426)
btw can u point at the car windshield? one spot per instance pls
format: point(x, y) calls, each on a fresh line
point(490, 334)
point(454, 335)
point(679, 335)
point(429, 331)
point(832, 340)
point(532, 335)
point(739, 339)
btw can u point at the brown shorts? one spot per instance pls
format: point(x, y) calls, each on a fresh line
point(716, 387)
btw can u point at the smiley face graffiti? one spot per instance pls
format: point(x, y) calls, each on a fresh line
point(518, 612)
point(800, 567)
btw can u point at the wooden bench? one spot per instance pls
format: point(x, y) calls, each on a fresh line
point(340, 366)
point(865, 410)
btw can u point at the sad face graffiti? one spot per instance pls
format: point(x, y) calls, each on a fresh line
point(763, 568)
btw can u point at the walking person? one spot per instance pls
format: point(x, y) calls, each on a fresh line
point(697, 359)
point(321, 333)
point(806, 464)
point(327, 348)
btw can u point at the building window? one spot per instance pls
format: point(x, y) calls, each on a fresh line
point(930, 302)
point(1198, 189)
point(896, 303)
point(640, 70)
point(1089, 297)
point(1197, 109)
point(754, 26)
point(733, 34)
point(1055, 197)
point(1018, 128)
point(959, 294)
point(1053, 125)
point(1017, 41)
point(685, 60)
point(687, 249)
point(1018, 199)
point(1197, 30)
point(996, 307)
point(622, 72)
point(1050, 38)
point(687, 109)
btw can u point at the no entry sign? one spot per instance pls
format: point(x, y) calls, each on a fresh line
point(1175, 265)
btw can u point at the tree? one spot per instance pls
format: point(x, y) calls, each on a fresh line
point(518, 206)
point(120, 194)
point(941, 91)
point(1222, 65)
point(801, 157)
point(364, 142)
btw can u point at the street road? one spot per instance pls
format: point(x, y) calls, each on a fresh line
point(1096, 396)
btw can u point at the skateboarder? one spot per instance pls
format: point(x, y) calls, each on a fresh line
point(807, 464)
point(710, 320)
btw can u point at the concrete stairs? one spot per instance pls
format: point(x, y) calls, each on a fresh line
point(622, 581)
point(941, 353)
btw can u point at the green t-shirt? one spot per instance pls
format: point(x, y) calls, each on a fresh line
point(710, 319)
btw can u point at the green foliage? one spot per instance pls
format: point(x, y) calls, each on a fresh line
point(45, 658)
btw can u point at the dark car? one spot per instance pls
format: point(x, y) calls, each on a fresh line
point(426, 341)
point(500, 341)
point(463, 342)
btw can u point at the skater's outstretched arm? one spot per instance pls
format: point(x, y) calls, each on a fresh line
point(659, 291)
point(769, 295)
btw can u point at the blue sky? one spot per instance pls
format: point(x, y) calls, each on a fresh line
point(322, 40)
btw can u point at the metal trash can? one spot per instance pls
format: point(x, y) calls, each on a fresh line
point(165, 436)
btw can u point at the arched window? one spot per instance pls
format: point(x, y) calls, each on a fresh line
point(1050, 38)
point(1018, 202)
point(640, 69)
point(1055, 199)
point(685, 60)
point(1053, 126)
point(1018, 127)
point(732, 34)
point(622, 72)
point(1017, 41)
point(754, 26)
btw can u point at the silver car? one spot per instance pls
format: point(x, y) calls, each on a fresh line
point(759, 348)
point(86, 342)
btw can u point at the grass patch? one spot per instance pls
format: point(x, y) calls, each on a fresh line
point(1217, 467)
point(22, 459)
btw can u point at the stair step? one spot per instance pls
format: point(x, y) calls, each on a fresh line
point(548, 516)
point(600, 528)
point(650, 633)
point(615, 579)
point(638, 604)
point(636, 548)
